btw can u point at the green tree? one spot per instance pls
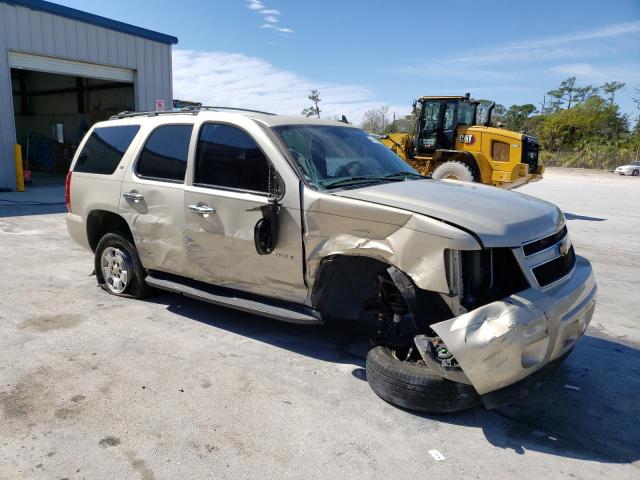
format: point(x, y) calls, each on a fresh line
point(592, 121)
point(564, 93)
point(516, 115)
point(405, 124)
point(611, 88)
point(314, 109)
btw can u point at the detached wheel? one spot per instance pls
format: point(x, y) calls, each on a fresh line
point(454, 170)
point(118, 267)
point(412, 386)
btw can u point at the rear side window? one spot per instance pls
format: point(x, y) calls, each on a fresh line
point(104, 149)
point(164, 156)
point(228, 157)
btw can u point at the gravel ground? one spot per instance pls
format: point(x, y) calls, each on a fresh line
point(93, 386)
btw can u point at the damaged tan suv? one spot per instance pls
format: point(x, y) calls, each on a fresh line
point(473, 292)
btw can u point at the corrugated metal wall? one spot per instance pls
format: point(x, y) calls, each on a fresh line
point(32, 31)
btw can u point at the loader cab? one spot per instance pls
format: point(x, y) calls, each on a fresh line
point(438, 119)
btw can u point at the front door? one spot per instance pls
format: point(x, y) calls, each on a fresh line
point(231, 180)
point(429, 127)
point(447, 136)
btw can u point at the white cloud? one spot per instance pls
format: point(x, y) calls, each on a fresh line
point(236, 80)
point(553, 47)
point(270, 16)
point(255, 5)
point(495, 63)
point(587, 72)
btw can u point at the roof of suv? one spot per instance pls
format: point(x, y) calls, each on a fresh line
point(269, 119)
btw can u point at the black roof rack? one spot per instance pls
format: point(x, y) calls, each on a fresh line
point(192, 110)
point(207, 107)
point(127, 114)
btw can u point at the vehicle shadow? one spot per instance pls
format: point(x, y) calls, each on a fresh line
point(574, 216)
point(339, 343)
point(589, 408)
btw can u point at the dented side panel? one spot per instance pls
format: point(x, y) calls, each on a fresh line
point(505, 341)
point(415, 244)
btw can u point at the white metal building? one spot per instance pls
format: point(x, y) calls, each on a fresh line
point(61, 70)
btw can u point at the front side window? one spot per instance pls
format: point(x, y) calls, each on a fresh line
point(466, 113)
point(104, 149)
point(228, 157)
point(333, 156)
point(164, 156)
point(449, 116)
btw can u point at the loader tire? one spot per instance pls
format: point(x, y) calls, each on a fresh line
point(454, 170)
point(414, 387)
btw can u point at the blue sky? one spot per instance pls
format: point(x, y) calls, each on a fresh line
point(268, 54)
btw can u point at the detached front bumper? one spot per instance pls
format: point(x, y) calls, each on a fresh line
point(506, 341)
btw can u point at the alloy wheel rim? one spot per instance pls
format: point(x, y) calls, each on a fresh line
point(116, 269)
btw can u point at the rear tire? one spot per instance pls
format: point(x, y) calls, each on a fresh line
point(413, 387)
point(635, 173)
point(118, 267)
point(454, 170)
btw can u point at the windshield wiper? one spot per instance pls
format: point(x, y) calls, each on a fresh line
point(402, 175)
point(351, 180)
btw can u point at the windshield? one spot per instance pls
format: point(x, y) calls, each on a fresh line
point(333, 156)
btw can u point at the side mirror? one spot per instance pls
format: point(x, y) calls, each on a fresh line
point(266, 231)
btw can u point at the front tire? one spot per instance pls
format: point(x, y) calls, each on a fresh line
point(454, 170)
point(414, 387)
point(118, 267)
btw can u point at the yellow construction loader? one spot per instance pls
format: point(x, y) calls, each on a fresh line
point(451, 141)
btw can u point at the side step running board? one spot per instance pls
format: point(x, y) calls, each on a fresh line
point(229, 298)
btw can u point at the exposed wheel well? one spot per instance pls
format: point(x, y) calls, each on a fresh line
point(346, 287)
point(101, 222)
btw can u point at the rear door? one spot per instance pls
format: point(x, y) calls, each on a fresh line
point(152, 197)
point(231, 178)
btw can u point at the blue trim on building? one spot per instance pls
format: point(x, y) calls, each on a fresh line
point(92, 19)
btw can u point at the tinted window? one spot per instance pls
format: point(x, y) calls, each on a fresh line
point(104, 149)
point(165, 154)
point(228, 157)
point(449, 116)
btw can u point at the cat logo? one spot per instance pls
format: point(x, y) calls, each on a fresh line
point(467, 139)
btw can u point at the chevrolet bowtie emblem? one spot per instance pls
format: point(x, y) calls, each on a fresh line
point(563, 247)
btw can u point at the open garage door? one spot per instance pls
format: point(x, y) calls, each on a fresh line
point(41, 63)
point(56, 101)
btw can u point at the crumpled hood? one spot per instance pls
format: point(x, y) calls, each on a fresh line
point(501, 218)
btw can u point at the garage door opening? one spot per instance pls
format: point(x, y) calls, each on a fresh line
point(54, 111)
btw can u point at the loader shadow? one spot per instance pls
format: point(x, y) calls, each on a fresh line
point(598, 422)
point(574, 216)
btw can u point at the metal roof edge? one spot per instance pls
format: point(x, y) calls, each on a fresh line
point(92, 19)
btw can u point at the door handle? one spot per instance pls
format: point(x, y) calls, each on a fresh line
point(202, 209)
point(134, 196)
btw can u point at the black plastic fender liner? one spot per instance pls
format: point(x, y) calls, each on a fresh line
point(407, 290)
